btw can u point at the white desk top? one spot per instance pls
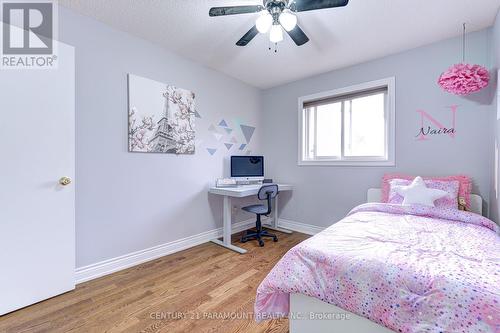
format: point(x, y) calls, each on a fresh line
point(244, 190)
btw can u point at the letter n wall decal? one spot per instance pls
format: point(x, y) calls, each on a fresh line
point(430, 126)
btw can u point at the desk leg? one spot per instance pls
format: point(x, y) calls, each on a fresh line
point(274, 221)
point(226, 232)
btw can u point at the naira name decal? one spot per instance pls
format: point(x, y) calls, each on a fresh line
point(430, 127)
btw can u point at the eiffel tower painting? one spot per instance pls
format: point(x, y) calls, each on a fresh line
point(161, 117)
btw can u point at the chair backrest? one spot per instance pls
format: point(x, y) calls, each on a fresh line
point(268, 192)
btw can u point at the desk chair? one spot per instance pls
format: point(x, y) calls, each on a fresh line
point(266, 192)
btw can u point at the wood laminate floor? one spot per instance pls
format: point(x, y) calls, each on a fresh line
point(203, 289)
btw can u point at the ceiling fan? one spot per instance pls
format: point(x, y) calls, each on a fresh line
point(276, 15)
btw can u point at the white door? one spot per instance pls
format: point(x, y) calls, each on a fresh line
point(37, 213)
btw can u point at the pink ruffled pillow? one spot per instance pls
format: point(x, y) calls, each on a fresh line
point(449, 202)
point(464, 190)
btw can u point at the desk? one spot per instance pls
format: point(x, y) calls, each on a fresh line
point(239, 192)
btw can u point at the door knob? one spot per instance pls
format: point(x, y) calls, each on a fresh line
point(64, 181)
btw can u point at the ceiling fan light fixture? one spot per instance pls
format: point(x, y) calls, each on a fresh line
point(288, 20)
point(276, 34)
point(276, 15)
point(264, 22)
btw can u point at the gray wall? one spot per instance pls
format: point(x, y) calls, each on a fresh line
point(496, 40)
point(495, 36)
point(323, 195)
point(132, 201)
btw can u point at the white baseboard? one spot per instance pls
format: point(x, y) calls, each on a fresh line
point(304, 228)
point(112, 265)
point(102, 268)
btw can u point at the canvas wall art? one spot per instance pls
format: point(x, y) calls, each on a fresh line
point(161, 117)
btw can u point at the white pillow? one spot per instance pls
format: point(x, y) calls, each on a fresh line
point(417, 193)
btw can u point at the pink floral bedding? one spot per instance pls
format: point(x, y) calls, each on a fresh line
point(411, 269)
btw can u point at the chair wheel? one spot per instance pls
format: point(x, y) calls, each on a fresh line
point(261, 243)
point(275, 239)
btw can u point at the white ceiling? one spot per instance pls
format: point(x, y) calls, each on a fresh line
point(364, 30)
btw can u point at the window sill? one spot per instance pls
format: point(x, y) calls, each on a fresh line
point(347, 163)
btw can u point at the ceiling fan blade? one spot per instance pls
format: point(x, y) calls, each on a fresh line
point(233, 10)
point(304, 5)
point(247, 38)
point(298, 36)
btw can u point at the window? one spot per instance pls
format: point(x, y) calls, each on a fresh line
point(350, 126)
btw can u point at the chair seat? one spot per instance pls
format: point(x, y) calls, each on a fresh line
point(256, 209)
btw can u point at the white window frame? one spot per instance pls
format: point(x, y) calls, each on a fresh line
point(388, 160)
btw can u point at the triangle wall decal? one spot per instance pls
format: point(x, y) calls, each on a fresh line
point(247, 132)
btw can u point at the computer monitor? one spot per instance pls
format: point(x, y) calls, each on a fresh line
point(247, 167)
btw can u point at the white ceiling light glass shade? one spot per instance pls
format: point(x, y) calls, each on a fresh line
point(276, 34)
point(288, 20)
point(264, 22)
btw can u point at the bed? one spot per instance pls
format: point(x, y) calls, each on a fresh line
point(388, 268)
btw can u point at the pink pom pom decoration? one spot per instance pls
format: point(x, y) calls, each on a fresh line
point(464, 79)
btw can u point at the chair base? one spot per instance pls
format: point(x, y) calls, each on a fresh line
point(258, 235)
